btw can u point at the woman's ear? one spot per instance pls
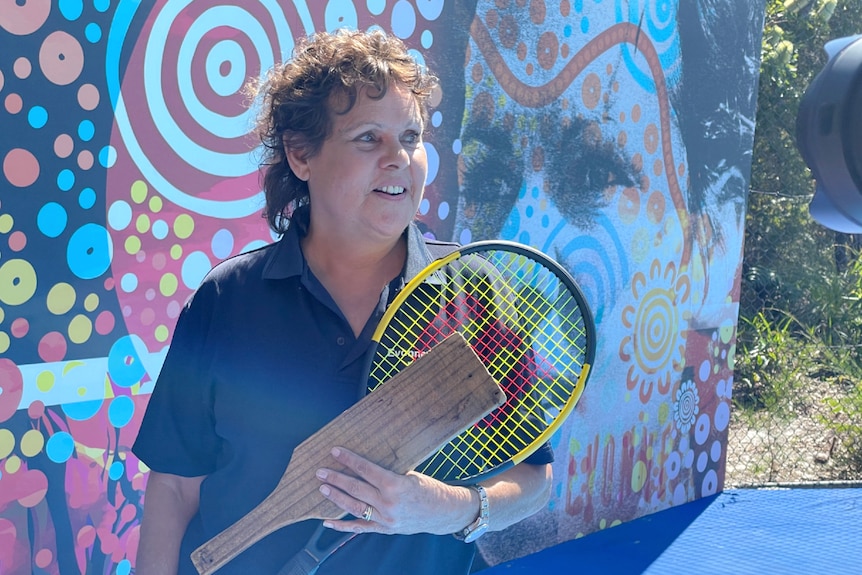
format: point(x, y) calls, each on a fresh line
point(297, 160)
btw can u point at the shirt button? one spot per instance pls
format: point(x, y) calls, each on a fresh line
point(339, 340)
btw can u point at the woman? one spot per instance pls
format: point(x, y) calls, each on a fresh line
point(271, 346)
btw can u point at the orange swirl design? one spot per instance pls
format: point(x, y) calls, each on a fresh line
point(537, 96)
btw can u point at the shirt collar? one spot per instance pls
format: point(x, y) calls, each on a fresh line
point(286, 259)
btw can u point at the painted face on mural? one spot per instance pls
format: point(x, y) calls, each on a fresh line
point(369, 176)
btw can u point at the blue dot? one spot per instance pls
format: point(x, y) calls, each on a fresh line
point(89, 252)
point(37, 117)
point(52, 219)
point(121, 410)
point(529, 211)
point(160, 229)
point(59, 447)
point(546, 221)
point(115, 471)
point(585, 24)
point(124, 567)
point(65, 180)
point(87, 198)
point(86, 130)
point(427, 39)
point(535, 192)
point(222, 243)
point(524, 238)
point(82, 410)
point(71, 9)
point(195, 267)
point(376, 7)
point(107, 156)
point(93, 32)
point(102, 5)
point(512, 225)
point(124, 366)
point(129, 282)
point(567, 30)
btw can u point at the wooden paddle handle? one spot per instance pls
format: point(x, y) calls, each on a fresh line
point(397, 427)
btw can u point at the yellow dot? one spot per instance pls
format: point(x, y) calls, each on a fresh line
point(639, 476)
point(18, 281)
point(142, 224)
point(176, 252)
point(168, 284)
point(7, 443)
point(184, 225)
point(2, 315)
point(13, 464)
point(663, 413)
point(82, 391)
point(45, 381)
point(139, 191)
point(132, 245)
point(161, 334)
point(91, 302)
point(5, 342)
point(80, 329)
point(61, 298)
point(6, 223)
point(156, 204)
point(32, 443)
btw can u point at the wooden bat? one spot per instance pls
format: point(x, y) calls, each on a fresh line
point(397, 427)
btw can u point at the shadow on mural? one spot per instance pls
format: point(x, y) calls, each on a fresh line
point(615, 135)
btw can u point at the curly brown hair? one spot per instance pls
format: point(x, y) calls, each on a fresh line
point(296, 99)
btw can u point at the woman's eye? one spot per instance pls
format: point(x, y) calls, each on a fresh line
point(367, 137)
point(412, 138)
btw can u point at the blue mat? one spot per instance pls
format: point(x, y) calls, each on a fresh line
point(759, 531)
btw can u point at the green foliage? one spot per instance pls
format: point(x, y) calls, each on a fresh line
point(801, 296)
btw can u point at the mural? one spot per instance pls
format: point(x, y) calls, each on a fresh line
point(614, 135)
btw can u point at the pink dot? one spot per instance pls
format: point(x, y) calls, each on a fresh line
point(43, 558)
point(148, 316)
point(63, 145)
point(109, 283)
point(36, 409)
point(86, 536)
point(17, 241)
point(61, 58)
point(105, 323)
point(52, 346)
point(2, 79)
point(20, 167)
point(88, 97)
point(159, 260)
point(24, 18)
point(173, 309)
point(20, 327)
point(22, 67)
point(85, 159)
point(13, 103)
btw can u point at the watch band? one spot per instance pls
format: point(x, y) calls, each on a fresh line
point(478, 527)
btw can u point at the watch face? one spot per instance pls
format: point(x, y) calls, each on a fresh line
point(476, 533)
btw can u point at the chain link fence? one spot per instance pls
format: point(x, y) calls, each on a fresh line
point(797, 396)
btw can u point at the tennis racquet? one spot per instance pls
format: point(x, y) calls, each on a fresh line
point(528, 322)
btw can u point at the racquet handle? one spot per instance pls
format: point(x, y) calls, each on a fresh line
point(400, 425)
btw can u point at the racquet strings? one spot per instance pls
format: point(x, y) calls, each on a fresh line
point(528, 323)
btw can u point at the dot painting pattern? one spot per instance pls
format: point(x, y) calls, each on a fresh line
point(558, 124)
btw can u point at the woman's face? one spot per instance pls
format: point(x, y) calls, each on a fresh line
point(367, 180)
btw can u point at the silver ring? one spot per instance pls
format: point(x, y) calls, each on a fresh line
point(368, 513)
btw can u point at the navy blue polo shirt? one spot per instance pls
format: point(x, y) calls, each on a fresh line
point(261, 359)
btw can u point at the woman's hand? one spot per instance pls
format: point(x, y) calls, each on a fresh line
point(416, 503)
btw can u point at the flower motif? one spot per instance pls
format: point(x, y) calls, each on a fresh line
point(685, 407)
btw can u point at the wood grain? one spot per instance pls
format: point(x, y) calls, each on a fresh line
point(398, 426)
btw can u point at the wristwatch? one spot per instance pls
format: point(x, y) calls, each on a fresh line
point(480, 525)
